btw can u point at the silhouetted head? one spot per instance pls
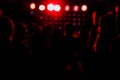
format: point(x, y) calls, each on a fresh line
point(6, 30)
point(49, 29)
point(20, 31)
point(37, 29)
point(69, 29)
point(115, 45)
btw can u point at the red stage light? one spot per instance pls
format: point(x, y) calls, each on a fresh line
point(42, 7)
point(76, 8)
point(32, 6)
point(84, 8)
point(57, 8)
point(67, 8)
point(50, 7)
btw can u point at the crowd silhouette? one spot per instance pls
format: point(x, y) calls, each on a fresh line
point(66, 54)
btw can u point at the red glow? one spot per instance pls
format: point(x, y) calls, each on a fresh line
point(42, 7)
point(76, 54)
point(68, 67)
point(57, 8)
point(94, 18)
point(50, 7)
point(76, 8)
point(60, 28)
point(32, 6)
point(1, 12)
point(67, 8)
point(80, 66)
point(54, 7)
point(84, 8)
point(116, 9)
point(75, 35)
point(99, 29)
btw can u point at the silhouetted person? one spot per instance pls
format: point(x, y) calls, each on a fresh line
point(22, 43)
point(6, 32)
point(37, 40)
point(114, 58)
point(68, 38)
point(115, 46)
point(111, 66)
point(45, 57)
point(108, 28)
point(48, 34)
point(6, 35)
point(67, 53)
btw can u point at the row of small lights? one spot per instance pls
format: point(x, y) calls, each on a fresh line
point(57, 7)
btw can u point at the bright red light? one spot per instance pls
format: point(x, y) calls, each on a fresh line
point(50, 7)
point(42, 7)
point(57, 8)
point(67, 8)
point(76, 8)
point(32, 6)
point(84, 8)
point(94, 14)
point(116, 9)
